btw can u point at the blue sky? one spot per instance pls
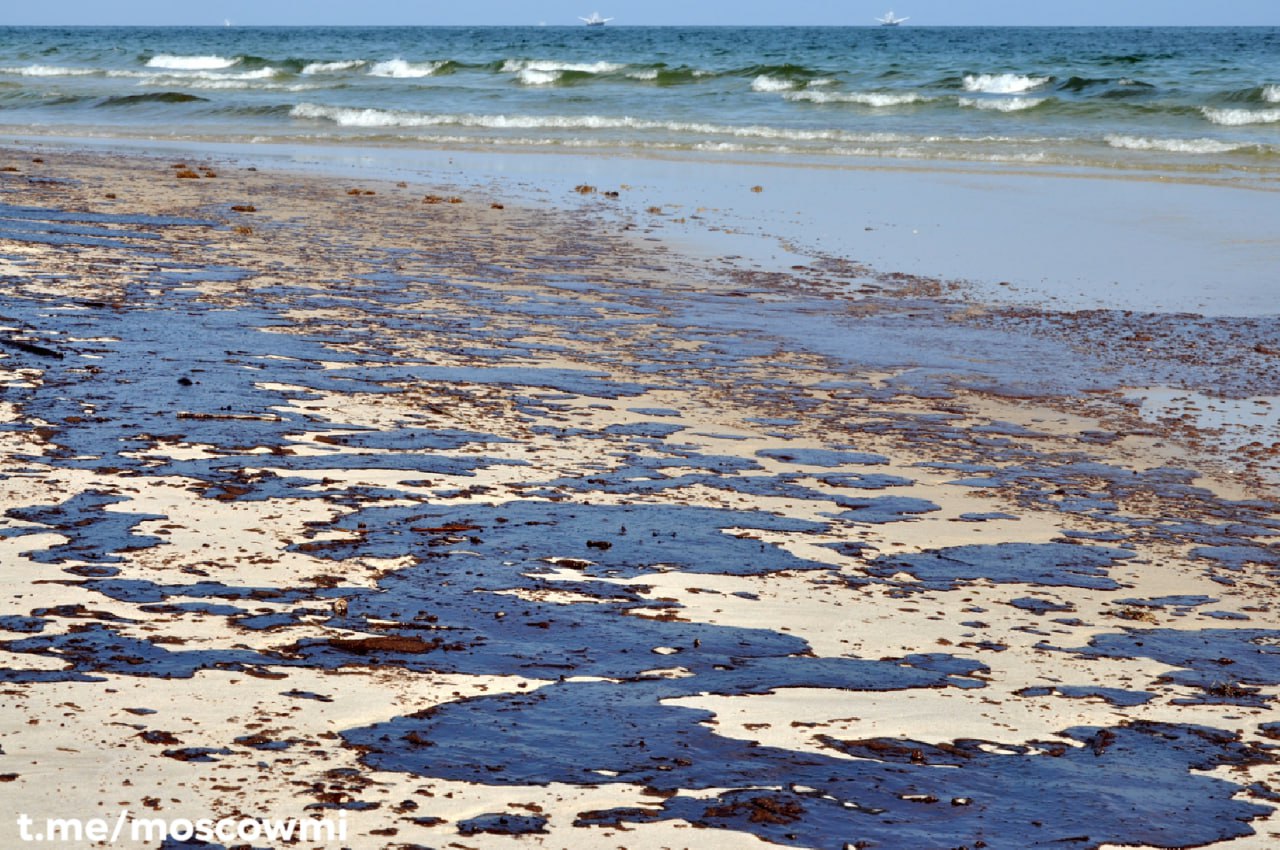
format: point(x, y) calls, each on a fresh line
point(645, 12)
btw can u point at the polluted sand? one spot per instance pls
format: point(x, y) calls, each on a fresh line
point(472, 528)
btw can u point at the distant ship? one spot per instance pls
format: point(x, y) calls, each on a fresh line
point(891, 20)
point(595, 20)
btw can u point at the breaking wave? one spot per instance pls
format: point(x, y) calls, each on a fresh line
point(1201, 146)
point(1241, 117)
point(191, 63)
point(546, 73)
point(1003, 83)
point(1074, 97)
point(764, 82)
point(386, 118)
point(878, 99)
point(512, 66)
point(401, 70)
point(259, 74)
point(332, 67)
point(49, 71)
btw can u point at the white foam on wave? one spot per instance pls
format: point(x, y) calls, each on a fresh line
point(333, 67)
point(1203, 146)
point(1002, 83)
point(1271, 94)
point(351, 117)
point(515, 66)
point(535, 77)
point(651, 74)
point(764, 82)
point(200, 78)
point(228, 84)
point(1011, 104)
point(191, 63)
point(401, 70)
point(48, 71)
point(877, 99)
point(375, 118)
point(385, 118)
point(1241, 117)
point(870, 145)
point(541, 72)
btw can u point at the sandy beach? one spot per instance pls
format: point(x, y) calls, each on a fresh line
point(458, 517)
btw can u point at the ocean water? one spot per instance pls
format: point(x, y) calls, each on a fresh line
point(1198, 101)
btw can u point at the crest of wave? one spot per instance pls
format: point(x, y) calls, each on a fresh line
point(400, 69)
point(48, 71)
point(190, 63)
point(349, 117)
point(860, 98)
point(332, 67)
point(382, 118)
point(514, 66)
point(236, 85)
point(764, 82)
point(1138, 143)
point(533, 77)
point(187, 76)
point(373, 118)
point(1241, 117)
point(1002, 83)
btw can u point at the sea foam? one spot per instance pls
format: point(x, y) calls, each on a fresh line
point(382, 118)
point(232, 84)
point(190, 63)
point(1002, 83)
point(1202, 146)
point(764, 82)
point(535, 77)
point(332, 67)
point(1241, 117)
point(514, 66)
point(400, 69)
point(203, 79)
point(878, 99)
point(48, 71)
point(351, 117)
point(545, 73)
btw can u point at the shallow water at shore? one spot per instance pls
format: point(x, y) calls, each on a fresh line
point(1067, 240)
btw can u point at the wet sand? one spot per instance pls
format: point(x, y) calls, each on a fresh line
point(484, 524)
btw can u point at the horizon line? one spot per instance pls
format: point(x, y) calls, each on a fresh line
point(544, 25)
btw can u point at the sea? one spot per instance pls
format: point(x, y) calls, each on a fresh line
point(1203, 103)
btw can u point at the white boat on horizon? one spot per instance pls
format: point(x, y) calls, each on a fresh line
point(595, 20)
point(891, 20)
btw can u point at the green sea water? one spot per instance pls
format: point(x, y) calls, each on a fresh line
point(1191, 100)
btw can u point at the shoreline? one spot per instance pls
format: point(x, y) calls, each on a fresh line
point(521, 485)
point(1150, 242)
